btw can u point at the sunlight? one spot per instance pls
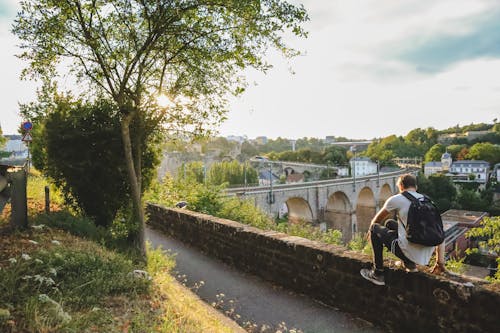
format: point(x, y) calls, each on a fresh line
point(164, 101)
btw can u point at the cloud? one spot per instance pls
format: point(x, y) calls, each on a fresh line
point(439, 52)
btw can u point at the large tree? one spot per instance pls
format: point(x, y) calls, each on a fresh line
point(133, 50)
point(485, 151)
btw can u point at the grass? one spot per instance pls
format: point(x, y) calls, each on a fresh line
point(58, 277)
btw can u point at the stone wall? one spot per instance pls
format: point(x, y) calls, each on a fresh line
point(415, 302)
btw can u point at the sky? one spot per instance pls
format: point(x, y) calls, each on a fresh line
point(368, 69)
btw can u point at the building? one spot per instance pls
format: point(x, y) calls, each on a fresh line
point(472, 135)
point(470, 171)
point(362, 166)
point(446, 161)
point(237, 138)
point(496, 172)
point(433, 167)
point(261, 140)
point(456, 223)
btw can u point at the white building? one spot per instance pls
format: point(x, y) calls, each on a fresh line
point(362, 166)
point(433, 167)
point(470, 171)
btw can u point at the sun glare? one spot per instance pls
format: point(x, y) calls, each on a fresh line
point(164, 101)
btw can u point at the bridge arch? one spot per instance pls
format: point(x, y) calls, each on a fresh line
point(298, 209)
point(384, 194)
point(365, 209)
point(338, 214)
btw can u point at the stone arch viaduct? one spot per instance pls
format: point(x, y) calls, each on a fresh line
point(341, 204)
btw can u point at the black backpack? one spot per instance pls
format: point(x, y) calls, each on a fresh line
point(424, 224)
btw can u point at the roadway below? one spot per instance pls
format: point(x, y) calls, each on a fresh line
point(255, 304)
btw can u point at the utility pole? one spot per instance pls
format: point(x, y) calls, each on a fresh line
point(353, 149)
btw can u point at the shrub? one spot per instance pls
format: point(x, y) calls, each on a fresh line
point(79, 146)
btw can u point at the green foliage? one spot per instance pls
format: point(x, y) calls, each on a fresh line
point(306, 230)
point(78, 145)
point(456, 266)
point(244, 211)
point(359, 243)
point(485, 151)
point(440, 188)
point(44, 287)
point(434, 153)
point(489, 231)
point(3, 139)
point(206, 198)
point(454, 150)
point(232, 173)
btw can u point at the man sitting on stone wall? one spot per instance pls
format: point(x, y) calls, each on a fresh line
point(393, 236)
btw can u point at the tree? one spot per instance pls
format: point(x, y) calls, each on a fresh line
point(79, 147)
point(386, 149)
point(440, 188)
point(485, 151)
point(435, 153)
point(3, 139)
point(489, 231)
point(462, 154)
point(335, 155)
point(232, 173)
point(454, 150)
point(133, 50)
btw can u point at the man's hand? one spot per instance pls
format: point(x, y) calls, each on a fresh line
point(438, 269)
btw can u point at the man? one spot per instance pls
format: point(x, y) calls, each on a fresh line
point(393, 236)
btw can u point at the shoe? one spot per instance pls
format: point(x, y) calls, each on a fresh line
point(373, 277)
point(409, 267)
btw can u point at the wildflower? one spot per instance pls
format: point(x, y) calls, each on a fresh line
point(12, 260)
point(38, 227)
point(33, 242)
point(56, 242)
point(25, 256)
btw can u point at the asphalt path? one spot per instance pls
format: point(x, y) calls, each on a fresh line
point(252, 302)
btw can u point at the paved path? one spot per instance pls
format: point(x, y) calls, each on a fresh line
point(252, 301)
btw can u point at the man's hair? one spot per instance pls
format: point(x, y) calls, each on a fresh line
point(407, 180)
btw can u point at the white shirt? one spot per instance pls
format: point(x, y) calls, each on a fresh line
point(417, 253)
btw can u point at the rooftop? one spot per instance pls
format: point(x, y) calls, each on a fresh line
point(463, 217)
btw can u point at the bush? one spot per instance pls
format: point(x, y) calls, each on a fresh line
point(79, 146)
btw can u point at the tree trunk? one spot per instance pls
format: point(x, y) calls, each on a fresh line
point(134, 184)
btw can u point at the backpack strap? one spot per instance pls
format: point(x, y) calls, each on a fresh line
point(412, 200)
point(409, 197)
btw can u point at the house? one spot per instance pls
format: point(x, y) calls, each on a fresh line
point(456, 223)
point(470, 171)
point(433, 167)
point(342, 171)
point(362, 166)
point(496, 172)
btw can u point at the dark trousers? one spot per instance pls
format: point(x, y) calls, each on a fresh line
point(386, 235)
